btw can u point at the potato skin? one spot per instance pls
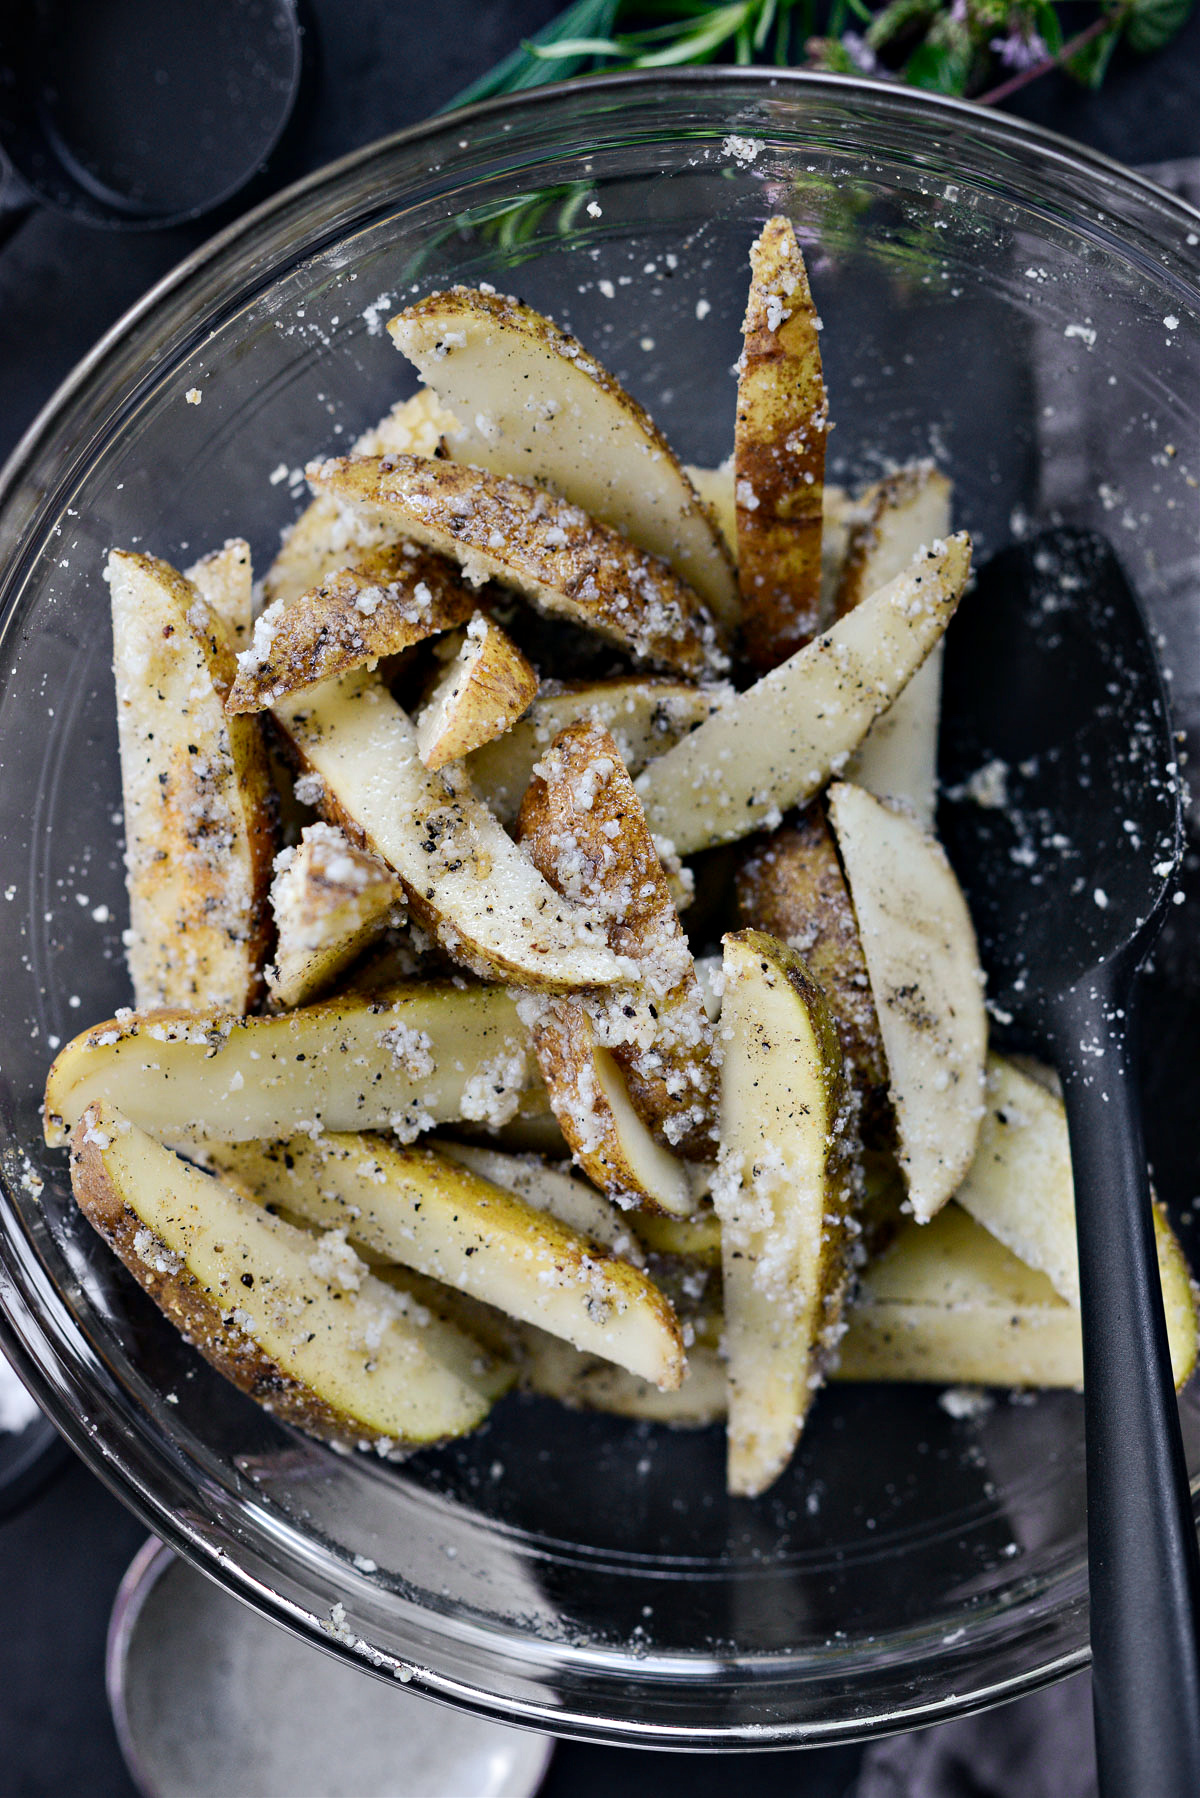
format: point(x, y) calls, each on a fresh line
point(183, 1301)
point(790, 884)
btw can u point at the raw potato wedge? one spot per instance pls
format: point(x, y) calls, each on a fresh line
point(425, 1211)
point(466, 880)
point(779, 453)
point(330, 902)
point(923, 964)
point(481, 695)
point(590, 1098)
point(224, 580)
point(325, 538)
point(312, 1336)
point(646, 714)
point(838, 513)
point(545, 411)
point(783, 1197)
point(775, 745)
point(391, 598)
point(947, 1302)
point(901, 515)
point(552, 553)
point(584, 828)
point(790, 884)
point(1020, 1185)
point(406, 1059)
point(556, 1370)
point(199, 814)
point(550, 1186)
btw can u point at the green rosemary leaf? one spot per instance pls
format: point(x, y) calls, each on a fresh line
point(1153, 23)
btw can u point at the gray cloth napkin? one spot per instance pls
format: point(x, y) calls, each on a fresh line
point(1036, 1747)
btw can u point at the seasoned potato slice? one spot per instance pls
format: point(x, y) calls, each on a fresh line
point(583, 825)
point(537, 405)
point(790, 884)
point(646, 714)
point(301, 1326)
point(927, 984)
point(551, 1186)
point(775, 745)
point(948, 1302)
point(466, 880)
point(779, 452)
point(225, 582)
point(897, 759)
point(427, 1212)
point(590, 1098)
point(550, 552)
point(404, 1059)
point(391, 598)
point(481, 695)
point(199, 817)
point(838, 513)
point(325, 538)
point(330, 902)
point(783, 1196)
point(556, 1370)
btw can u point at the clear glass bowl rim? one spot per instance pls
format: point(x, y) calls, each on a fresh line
point(1150, 223)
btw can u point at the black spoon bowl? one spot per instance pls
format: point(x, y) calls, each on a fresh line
point(1062, 815)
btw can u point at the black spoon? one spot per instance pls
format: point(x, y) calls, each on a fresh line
point(1051, 674)
point(140, 114)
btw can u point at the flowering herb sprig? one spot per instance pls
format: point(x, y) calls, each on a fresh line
point(984, 48)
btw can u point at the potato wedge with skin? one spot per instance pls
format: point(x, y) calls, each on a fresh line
point(779, 453)
point(483, 692)
point(927, 984)
point(838, 511)
point(425, 1211)
point(199, 813)
point(550, 1186)
point(1020, 1186)
point(467, 882)
point(389, 599)
point(537, 405)
point(949, 1303)
point(225, 582)
point(313, 1337)
point(405, 1059)
point(325, 538)
point(584, 828)
point(552, 553)
point(590, 1098)
point(897, 759)
point(775, 745)
point(646, 714)
point(554, 1369)
point(790, 884)
point(783, 1195)
point(330, 901)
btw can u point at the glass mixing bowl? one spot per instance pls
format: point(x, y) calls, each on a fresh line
point(1024, 312)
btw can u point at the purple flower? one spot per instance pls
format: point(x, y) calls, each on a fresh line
point(958, 12)
point(860, 51)
point(1020, 50)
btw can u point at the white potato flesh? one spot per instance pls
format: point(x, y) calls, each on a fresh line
point(536, 405)
point(466, 879)
point(225, 581)
point(776, 744)
point(407, 1059)
point(259, 1299)
point(1020, 1186)
point(556, 1370)
point(330, 900)
point(782, 1198)
point(550, 1186)
point(420, 1209)
point(646, 714)
point(199, 824)
point(898, 757)
point(923, 965)
point(483, 692)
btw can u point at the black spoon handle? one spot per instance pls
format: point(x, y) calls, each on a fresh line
point(1144, 1571)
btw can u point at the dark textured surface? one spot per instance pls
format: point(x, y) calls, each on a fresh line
point(382, 66)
